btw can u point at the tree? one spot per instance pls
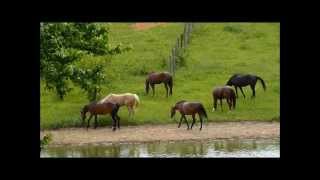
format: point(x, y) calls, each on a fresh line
point(64, 44)
point(89, 75)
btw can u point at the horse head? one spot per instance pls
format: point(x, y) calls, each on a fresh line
point(229, 83)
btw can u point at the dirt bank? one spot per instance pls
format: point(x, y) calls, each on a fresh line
point(170, 132)
point(145, 26)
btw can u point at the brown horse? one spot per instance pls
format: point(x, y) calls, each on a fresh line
point(224, 92)
point(96, 109)
point(128, 99)
point(158, 78)
point(189, 108)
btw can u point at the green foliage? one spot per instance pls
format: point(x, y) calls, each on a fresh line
point(181, 59)
point(232, 28)
point(89, 75)
point(63, 44)
point(45, 140)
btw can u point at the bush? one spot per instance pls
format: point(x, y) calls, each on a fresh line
point(232, 28)
point(181, 60)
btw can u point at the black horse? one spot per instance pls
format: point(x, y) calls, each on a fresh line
point(241, 80)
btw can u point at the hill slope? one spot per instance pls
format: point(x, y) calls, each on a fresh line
point(216, 51)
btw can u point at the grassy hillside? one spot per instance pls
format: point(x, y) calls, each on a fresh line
point(216, 51)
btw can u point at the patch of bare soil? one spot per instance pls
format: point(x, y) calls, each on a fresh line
point(170, 132)
point(144, 26)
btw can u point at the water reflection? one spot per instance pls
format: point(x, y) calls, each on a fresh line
point(216, 148)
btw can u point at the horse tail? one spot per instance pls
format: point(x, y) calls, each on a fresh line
point(262, 82)
point(147, 86)
point(137, 100)
point(203, 112)
point(234, 99)
point(170, 82)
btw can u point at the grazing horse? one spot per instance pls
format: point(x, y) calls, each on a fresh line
point(158, 78)
point(128, 99)
point(224, 92)
point(189, 108)
point(96, 109)
point(241, 80)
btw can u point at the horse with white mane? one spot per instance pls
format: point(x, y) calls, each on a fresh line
point(128, 99)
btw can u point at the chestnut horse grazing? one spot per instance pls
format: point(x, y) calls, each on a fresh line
point(158, 78)
point(128, 99)
point(224, 92)
point(189, 108)
point(96, 109)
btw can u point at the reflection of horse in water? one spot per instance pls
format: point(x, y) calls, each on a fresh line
point(224, 92)
point(189, 108)
point(96, 109)
point(239, 80)
point(158, 78)
point(128, 99)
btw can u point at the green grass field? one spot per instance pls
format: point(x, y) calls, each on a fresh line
point(216, 51)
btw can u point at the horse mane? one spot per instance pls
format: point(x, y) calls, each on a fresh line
point(151, 72)
point(182, 101)
point(234, 75)
point(105, 98)
point(86, 107)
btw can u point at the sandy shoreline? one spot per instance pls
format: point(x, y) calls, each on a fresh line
point(169, 132)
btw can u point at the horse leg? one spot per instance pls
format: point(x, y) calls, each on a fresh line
point(113, 122)
point(236, 87)
point(242, 92)
point(129, 110)
point(118, 121)
point(186, 121)
point(253, 90)
point(170, 86)
point(89, 121)
point(132, 112)
point(180, 121)
point(221, 104)
point(193, 120)
point(214, 104)
point(166, 86)
point(153, 90)
point(229, 101)
point(83, 121)
point(95, 121)
point(200, 122)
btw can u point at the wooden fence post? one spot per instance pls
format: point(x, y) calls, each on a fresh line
point(181, 41)
point(173, 59)
point(180, 46)
point(185, 35)
point(177, 47)
point(169, 63)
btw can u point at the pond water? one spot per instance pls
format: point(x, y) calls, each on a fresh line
point(209, 148)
